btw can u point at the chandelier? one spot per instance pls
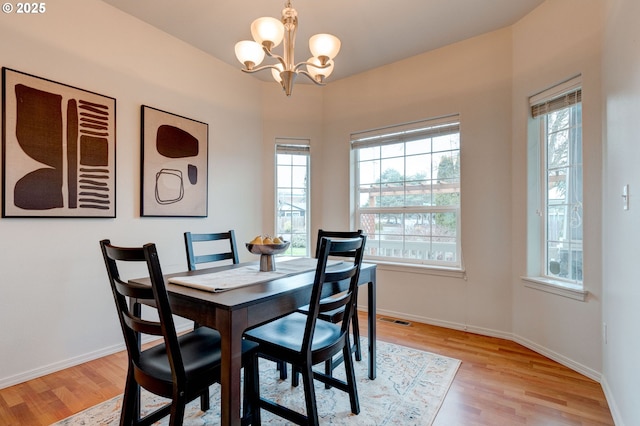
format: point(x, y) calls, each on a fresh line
point(269, 33)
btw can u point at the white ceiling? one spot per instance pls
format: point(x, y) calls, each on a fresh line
point(373, 32)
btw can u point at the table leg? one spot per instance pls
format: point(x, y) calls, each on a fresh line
point(371, 308)
point(136, 309)
point(231, 326)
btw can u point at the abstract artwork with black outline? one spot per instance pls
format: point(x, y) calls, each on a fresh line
point(58, 149)
point(174, 165)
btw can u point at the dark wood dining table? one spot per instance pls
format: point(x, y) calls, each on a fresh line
point(231, 312)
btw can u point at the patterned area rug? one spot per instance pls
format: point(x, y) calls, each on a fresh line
point(408, 390)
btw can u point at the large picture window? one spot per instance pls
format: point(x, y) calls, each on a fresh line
point(292, 195)
point(557, 127)
point(407, 192)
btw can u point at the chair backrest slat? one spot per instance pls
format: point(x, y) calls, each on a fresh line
point(336, 235)
point(193, 259)
point(143, 326)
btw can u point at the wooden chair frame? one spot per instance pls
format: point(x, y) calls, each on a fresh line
point(336, 317)
point(319, 340)
point(181, 367)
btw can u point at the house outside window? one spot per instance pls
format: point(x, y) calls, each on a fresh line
point(557, 221)
point(292, 195)
point(407, 192)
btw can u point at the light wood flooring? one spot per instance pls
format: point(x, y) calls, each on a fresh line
point(499, 383)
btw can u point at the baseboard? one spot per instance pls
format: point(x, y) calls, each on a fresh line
point(567, 362)
point(613, 407)
point(439, 323)
point(57, 366)
point(561, 359)
point(5, 382)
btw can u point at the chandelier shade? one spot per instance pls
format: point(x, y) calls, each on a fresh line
point(275, 72)
point(269, 30)
point(269, 33)
point(249, 53)
point(319, 73)
point(324, 45)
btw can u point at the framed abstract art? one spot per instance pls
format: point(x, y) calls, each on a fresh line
point(58, 149)
point(174, 165)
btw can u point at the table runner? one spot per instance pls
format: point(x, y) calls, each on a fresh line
point(247, 275)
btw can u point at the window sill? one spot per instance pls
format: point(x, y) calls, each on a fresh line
point(419, 269)
point(556, 287)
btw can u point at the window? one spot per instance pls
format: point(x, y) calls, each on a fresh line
point(556, 129)
point(292, 195)
point(407, 192)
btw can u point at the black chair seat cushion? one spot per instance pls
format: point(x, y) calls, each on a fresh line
point(200, 351)
point(287, 333)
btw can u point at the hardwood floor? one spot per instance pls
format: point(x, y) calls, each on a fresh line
point(503, 383)
point(498, 383)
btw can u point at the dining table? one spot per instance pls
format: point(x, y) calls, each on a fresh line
point(234, 310)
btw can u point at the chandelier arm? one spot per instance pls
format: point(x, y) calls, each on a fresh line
point(264, 67)
point(319, 83)
point(275, 56)
point(320, 67)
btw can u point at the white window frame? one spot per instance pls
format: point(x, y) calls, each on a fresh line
point(377, 245)
point(298, 147)
point(539, 276)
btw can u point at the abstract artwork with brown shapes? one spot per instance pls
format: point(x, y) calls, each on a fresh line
point(58, 147)
point(174, 165)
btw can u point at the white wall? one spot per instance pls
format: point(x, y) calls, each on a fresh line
point(472, 78)
point(55, 304)
point(488, 80)
point(555, 42)
point(621, 69)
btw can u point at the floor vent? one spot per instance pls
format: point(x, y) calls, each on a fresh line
point(395, 321)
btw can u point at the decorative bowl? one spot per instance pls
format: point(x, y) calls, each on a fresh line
point(268, 248)
point(267, 252)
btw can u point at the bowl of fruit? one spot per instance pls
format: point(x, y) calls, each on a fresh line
point(267, 248)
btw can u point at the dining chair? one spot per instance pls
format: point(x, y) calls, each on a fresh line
point(180, 368)
point(336, 315)
point(304, 340)
point(205, 241)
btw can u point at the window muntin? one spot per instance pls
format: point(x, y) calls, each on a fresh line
point(292, 196)
point(408, 192)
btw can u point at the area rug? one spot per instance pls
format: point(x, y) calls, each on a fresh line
point(408, 390)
